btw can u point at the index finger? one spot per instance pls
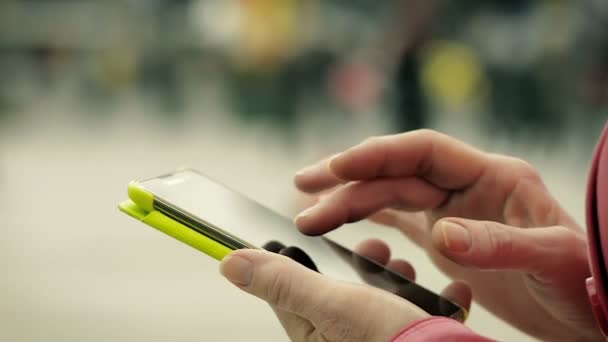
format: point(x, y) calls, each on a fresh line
point(317, 177)
point(439, 159)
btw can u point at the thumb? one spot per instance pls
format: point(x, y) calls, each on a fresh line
point(278, 280)
point(544, 252)
point(336, 311)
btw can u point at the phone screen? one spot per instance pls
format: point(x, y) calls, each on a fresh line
point(239, 222)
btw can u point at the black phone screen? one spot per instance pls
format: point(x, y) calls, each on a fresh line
point(239, 222)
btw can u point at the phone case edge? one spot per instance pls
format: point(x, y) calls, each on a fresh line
point(176, 230)
point(144, 199)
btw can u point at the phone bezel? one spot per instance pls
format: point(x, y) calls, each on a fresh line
point(199, 225)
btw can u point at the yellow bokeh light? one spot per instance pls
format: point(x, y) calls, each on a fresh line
point(452, 74)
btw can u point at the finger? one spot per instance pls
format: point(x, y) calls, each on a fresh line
point(357, 200)
point(375, 250)
point(278, 280)
point(326, 303)
point(547, 253)
point(413, 225)
point(298, 255)
point(273, 246)
point(402, 268)
point(441, 160)
point(316, 177)
point(379, 252)
point(460, 294)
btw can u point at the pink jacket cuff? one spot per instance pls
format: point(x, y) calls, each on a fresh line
point(437, 329)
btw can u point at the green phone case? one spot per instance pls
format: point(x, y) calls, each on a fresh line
point(141, 207)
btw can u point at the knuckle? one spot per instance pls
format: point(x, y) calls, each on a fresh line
point(571, 239)
point(500, 241)
point(428, 134)
point(524, 169)
point(545, 212)
point(573, 243)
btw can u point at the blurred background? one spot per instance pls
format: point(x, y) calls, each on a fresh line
point(94, 94)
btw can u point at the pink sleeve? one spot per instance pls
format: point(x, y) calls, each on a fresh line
point(438, 329)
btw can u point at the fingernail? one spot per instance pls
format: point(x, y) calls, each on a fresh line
point(330, 164)
point(303, 215)
point(237, 269)
point(334, 157)
point(455, 237)
point(302, 172)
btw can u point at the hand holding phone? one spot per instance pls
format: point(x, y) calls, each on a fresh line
point(208, 216)
point(312, 307)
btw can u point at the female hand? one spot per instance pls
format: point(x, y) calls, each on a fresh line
point(314, 307)
point(488, 220)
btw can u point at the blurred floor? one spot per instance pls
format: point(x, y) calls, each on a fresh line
point(75, 269)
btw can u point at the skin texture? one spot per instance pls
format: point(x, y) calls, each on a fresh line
point(483, 218)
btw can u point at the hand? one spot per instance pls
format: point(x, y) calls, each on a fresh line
point(313, 307)
point(488, 220)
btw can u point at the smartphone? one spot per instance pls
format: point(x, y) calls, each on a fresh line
point(217, 220)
